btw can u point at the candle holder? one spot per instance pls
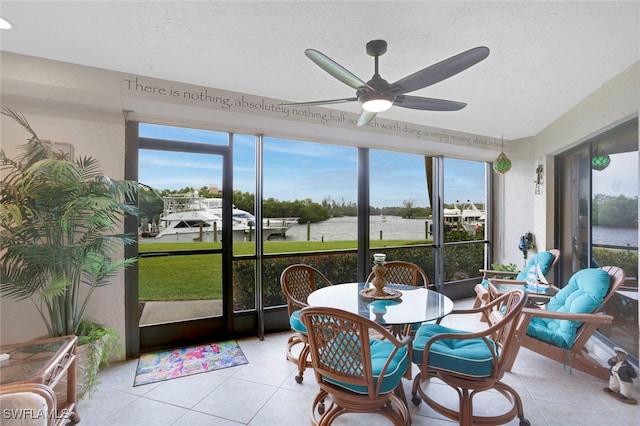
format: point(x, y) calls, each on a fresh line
point(379, 279)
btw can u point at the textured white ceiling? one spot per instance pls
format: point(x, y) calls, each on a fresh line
point(545, 56)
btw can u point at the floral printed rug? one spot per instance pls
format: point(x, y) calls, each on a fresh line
point(174, 363)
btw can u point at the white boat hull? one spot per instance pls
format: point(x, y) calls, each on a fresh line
point(189, 236)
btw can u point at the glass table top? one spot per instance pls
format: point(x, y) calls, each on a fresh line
point(416, 305)
point(29, 359)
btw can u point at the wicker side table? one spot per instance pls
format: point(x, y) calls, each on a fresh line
point(44, 361)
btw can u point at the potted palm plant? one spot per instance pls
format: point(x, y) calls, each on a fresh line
point(59, 239)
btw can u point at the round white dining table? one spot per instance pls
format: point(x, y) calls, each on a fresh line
point(415, 305)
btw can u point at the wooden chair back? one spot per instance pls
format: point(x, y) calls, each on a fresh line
point(401, 272)
point(298, 282)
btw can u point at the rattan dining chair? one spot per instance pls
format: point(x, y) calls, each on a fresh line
point(470, 362)
point(298, 282)
point(360, 373)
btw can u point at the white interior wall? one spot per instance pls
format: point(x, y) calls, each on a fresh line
point(515, 192)
point(613, 103)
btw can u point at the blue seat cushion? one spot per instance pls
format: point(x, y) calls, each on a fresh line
point(583, 294)
point(544, 260)
point(380, 351)
point(296, 323)
point(471, 357)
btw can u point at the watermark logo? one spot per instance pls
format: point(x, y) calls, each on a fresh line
point(34, 414)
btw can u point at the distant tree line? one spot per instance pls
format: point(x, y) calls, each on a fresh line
point(151, 205)
point(609, 210)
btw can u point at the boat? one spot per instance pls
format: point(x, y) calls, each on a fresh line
point(188, 218)
point(468, 218)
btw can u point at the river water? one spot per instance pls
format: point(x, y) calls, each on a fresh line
point(396, 228)
point(346, 228)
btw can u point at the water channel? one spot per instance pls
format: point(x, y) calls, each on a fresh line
point(396, 228)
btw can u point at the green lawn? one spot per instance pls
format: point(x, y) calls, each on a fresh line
point(198, 277)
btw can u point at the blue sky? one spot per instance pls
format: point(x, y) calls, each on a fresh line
point(620, 178)
point(300, 170)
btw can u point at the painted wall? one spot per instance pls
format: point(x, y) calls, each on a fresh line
point(84, 106)
point(614, 102)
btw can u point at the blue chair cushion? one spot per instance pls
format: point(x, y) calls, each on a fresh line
point(471, 357)
point(544, 260)
point(380, 351)
point(296, 323)
point(583, 294)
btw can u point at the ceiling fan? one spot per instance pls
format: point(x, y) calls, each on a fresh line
point(377, 95)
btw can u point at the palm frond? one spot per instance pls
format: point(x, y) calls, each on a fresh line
point(58, 229)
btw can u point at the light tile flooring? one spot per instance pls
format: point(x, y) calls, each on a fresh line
point(264, 392)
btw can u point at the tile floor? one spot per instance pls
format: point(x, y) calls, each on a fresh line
point(264, 392)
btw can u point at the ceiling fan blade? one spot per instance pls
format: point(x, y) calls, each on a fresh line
point(327, 102)
point(428, 104)
point(365, 118)
point(440, 71)
point(335, 69)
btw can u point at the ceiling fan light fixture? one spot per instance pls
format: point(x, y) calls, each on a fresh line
point(376, 102)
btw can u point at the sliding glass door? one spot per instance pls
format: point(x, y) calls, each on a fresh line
point(598, 226)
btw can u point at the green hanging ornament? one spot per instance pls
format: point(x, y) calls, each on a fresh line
point(600, 161)
point(502, 163)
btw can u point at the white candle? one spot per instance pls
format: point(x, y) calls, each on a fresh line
point(379, 257)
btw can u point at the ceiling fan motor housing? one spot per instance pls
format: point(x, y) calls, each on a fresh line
point(376, 48)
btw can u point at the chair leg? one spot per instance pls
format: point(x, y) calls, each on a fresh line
point(464, 414)
point(302, 363)
point(318, 407)
point(399, 392)
point(466, 409)
point(414, 389)
point(400, 416)
point(302, 358)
